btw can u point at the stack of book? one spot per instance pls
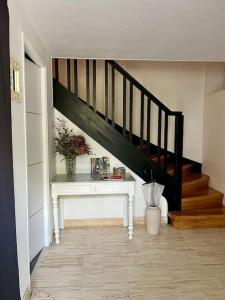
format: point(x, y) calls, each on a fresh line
point(100, 166)
point(113, 177)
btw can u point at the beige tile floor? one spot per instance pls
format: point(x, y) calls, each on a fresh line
point(96, 263)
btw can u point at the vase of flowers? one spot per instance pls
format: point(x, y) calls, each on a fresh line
point(69, 145)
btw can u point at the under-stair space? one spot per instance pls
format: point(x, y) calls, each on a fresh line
point(156, 149)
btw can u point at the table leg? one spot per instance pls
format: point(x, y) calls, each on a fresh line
point(55, 203)
point(125, 212)
point(61, 213)
point(130, 216)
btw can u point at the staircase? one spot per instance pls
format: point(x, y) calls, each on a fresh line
point(192, 203)
point(201, 206)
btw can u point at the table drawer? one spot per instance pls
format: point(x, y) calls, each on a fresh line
point(78, 189)
point(111, 188)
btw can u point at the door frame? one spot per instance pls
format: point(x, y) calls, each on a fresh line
point(31, 51)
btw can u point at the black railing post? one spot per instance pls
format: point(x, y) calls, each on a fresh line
point(165, 141)
point(75, 77)
point(159, 135)
point(142, 119)
point(124, 106)
point(131, 114)
point(178, 150)
point(68, 75)
point(106, 92)
point(149, 125)
point(57, 69)
point(94, 85)
point(113, 97)
point(87, 82)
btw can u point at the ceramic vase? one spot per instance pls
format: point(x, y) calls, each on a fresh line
point(152, 218)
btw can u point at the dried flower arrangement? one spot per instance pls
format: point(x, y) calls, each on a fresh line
point(68, 144)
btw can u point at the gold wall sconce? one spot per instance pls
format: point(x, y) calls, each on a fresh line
point(16, 82)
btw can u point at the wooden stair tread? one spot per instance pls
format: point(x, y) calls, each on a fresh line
point(194, 183)
point(196, 213)
point(203, 199)
point(203, 218)
point(203, 193)
point(193, 177)
point(186, 168)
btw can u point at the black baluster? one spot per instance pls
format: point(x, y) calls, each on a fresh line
point(57, 69)
point(113, 97)
point(87, 82)
point(131, 114)
point(106, 92)
point(159, 134)
point(124, 105)
point(149, 126)
point(179, 124)
point(165, 141)
point(75, 77)
point(68, 75)
point(94, 84)
point(142, 119)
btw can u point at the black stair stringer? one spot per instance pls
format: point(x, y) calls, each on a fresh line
point(102, 132)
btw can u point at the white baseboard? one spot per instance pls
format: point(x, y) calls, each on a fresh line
point(105, 222)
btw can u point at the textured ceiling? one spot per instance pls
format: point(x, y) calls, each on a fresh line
point(131, 29)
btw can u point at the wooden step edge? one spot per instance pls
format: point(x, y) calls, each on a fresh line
point(186, 170)
point(199, 178)
point(201, 204)
point(198, 184)
point(213, 199)
point(206, 192)
point(209, 213)
point(184, 224)
point(198, 217)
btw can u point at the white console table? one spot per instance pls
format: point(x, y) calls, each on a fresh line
point(86, 184)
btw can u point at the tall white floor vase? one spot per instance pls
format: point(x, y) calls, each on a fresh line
point(152, 218)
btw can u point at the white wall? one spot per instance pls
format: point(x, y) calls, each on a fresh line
point(214, 126)
point(20, 30)
point(179, 85)
point(214, 79)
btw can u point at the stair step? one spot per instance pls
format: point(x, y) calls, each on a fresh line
point(208, 198)
point(194, 182)
point(186, 169)
point(199, 218)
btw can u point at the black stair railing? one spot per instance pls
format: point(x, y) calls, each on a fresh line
point(153, 124)
point(163, 116)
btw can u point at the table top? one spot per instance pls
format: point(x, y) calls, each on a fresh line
point(83, 177)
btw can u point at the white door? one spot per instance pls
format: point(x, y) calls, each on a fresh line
point(34, 157)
